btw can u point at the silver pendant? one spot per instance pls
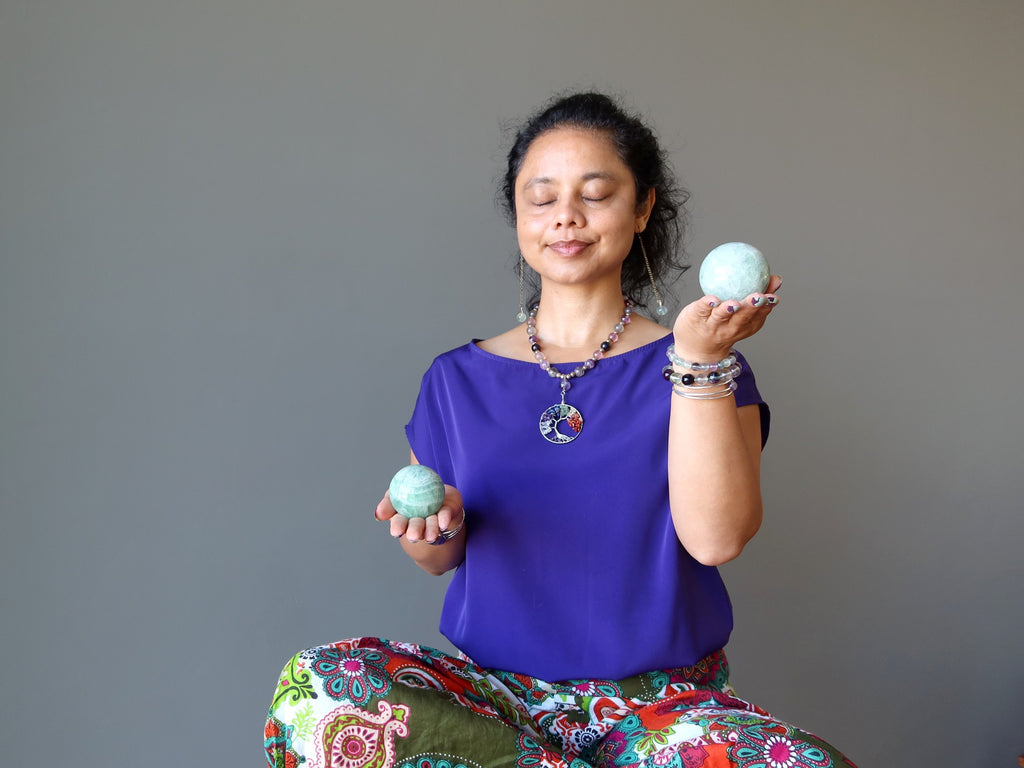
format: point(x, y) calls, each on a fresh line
point(561, 415)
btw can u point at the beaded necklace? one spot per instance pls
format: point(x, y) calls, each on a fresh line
point(561, 412)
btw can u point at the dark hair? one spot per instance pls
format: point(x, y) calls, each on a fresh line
point(639, 150)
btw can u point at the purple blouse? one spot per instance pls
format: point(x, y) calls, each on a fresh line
point(573, 569)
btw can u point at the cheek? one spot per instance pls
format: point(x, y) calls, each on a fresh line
point(620, 227)
point(529, 229)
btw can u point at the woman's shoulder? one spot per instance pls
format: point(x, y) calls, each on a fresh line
point(476, 355)
point(511, 344)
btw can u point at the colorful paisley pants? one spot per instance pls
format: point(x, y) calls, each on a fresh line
point(371, 702)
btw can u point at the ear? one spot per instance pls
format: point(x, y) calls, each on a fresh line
point(643, 211)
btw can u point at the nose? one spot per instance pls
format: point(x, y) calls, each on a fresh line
point(569, 213)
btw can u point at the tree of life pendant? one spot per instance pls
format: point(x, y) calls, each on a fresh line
point(558, 415)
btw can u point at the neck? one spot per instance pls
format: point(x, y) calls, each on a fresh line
point(570, 322)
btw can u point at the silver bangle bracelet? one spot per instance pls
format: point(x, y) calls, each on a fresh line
point(443, 537)
point(702, 393)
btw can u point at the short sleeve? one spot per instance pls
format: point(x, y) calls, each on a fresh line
point(747, 393)
point(426, 431)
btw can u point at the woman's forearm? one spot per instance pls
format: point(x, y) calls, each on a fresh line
point(714, 465)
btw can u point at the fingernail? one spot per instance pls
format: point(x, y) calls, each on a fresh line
point(712, 303)
point(731, 308)
point(756, 301)
point(773, 300)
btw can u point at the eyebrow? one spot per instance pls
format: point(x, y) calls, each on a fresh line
point(605, 175)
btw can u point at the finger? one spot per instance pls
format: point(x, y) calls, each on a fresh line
point(724, 311)
point(764, 301)
point(414, 529)
point(384, 510)
point(399, 526)
point(449, 518)
point(451, 507)
point(431, 528)
point(758, 298)
point(706, 305)
point(768, 297)
point(444, 518)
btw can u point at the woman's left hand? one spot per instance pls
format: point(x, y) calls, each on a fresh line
point(708, 328)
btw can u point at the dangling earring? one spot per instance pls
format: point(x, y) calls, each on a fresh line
point(521, 317)
point(662, 310)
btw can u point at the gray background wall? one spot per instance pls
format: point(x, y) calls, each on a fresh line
point(233, 234)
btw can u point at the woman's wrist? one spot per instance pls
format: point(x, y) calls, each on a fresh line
point(697, 352)
point(702, 380)
point(683, 359)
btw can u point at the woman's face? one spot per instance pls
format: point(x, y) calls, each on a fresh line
point(576, 208)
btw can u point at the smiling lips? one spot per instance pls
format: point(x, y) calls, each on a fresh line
point(568, 247)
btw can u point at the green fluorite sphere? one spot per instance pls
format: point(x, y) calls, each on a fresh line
point(733, 271)
point(416, 491)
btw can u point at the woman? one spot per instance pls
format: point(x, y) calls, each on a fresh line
point(586, 602)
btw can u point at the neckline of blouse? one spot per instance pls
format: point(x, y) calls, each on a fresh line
point(474, 346)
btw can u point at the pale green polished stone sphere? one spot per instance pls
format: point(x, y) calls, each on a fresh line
point(416, 491)
point(733, 271)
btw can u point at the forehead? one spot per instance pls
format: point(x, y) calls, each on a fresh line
point(571, 153)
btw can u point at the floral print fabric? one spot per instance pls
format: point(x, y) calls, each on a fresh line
point(371, 703)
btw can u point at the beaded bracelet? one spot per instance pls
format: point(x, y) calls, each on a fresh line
point(699, 380)
point(676, 360)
